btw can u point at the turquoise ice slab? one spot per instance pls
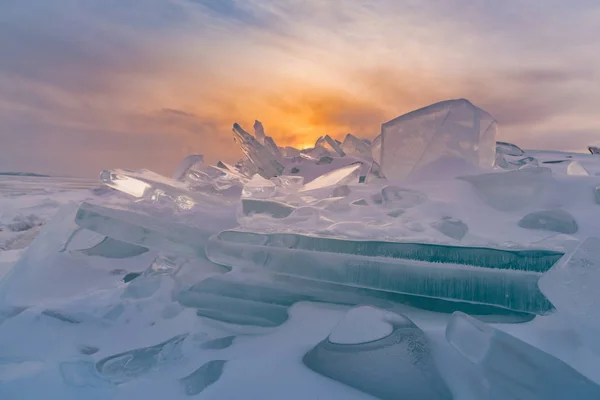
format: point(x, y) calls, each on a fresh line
point(504, 278)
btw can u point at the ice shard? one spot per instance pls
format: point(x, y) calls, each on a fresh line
point(153, 187)
point(259, 188)
point(576, 169)
point(259, 132)
point(376, 149)
point(193, 161)
point(508, 149)
point(572, 286)
point(271, 208)
point(439, 133)
point(512, 190)
point(504, 278)
point(594, 149)
point(525, 162)
point(266, 162)
point(513, 369)
point(381, 353)
point(550, 220)
point(291, 152)
point(150, 231)
point(342, 176)
point(353, 146)
point(330, 145)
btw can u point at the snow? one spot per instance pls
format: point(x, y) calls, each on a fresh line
point(219, 283)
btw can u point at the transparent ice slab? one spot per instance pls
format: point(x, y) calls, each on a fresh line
point(397, 365)
point(353, 146)
point(342, 176)
point(513, 369)
point(150, 231)
point(572, 286)
point(449, 129)
point(376, 149)
point(594, 149)
point(259, 132)
point(261, 157)
point(193, 161)
point(330, 145)
point(508, 149)
point(504, 278)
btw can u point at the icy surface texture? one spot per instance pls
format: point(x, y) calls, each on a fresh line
point(330, 145)
point(597, 194)
point(513, 369)
point(338, 177)
point(572, 287)
point(576, 169)
point(390, 361)
point(150, 230)
point(512, 190)
point(191, 162)
point(353, 146)
point(478, 275)
point(265, 161)
point(594, 149)
point(550, 220)
point(451, 227)
point(453, 129)
point(259, 132)
point(508, 149)
point(376, 149)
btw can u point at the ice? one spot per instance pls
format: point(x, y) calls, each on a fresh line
point(451, 227)
point(111, 248)
point(191, 162)
point(152, 187)
point(261, 157)
point(486, 276)
point(508, 149)
point(259, 188)
point(594, 149)
point(330, 145)
point(272, 147)
point(597, 194)
point(376, 149)
point(572, 286)
point(291, 152)
point(525, 162)
point(353, 146)
point(513, 369)
point(453, 129)
point(132, 364)
point(274, 209)
point(143, 229)
point(345, 175)
point(550, 220)
point(259, 132)
point(394, 360)
point(203, 377)
point(396, 197)
point(512, 190)
point(576, 169)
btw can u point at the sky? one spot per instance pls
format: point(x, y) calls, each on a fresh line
point(87, 85)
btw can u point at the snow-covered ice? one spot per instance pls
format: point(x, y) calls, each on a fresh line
point(329, 272)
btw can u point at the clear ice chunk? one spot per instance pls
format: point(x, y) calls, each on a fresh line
point(594, 149)
point(508, 149)
point(451, 227)
point(112, 248)
point(272, 147)
point(525, 162)
point(513, 369)
point(259, 188)
point(123, 367)
point(143, 229)
point(353, 146)
point(193, 161)
point(572, 286)
point(504, 278)
point(395, 362)
point(396, 197)
point(203, 377)
point(576, 169)
point(376, 149)
point(291, 152)
point(265, 162)
point(450, 129)
point(550, 220)
point(342, 176)
point(330, 145)
point(597, 194)
point(512, 190)
point(271, 208)
point(259, 132)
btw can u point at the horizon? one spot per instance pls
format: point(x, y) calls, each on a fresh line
point(91, 85)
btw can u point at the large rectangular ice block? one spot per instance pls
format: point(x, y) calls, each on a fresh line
point(453, 128)
point(143, 229)
point(261, 157)
point(513, 369)
point(504, 278)
point(572, 286)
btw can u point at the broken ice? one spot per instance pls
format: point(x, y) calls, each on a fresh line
point(550, 220)
point(331, 145)
point(453, 129)
point(508, 149)
point(380, 353)
point(513, 369)
point(261, 157)
point(572, 286)
point(192, 161)
point(353, 146)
